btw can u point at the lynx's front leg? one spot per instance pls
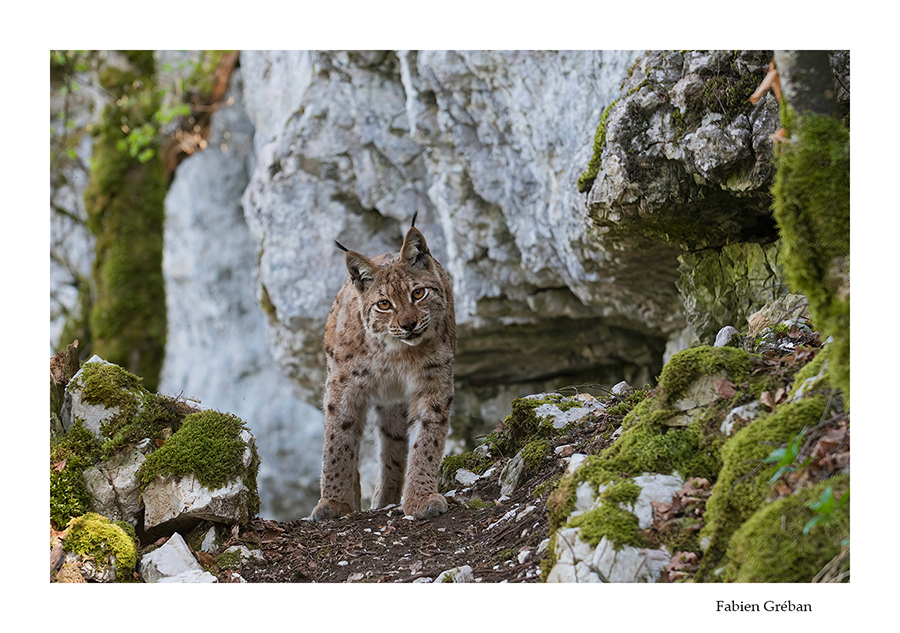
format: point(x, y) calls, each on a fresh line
point(344, 423)
point(430, 412)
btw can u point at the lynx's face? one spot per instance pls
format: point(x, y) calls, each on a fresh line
point(402, 295)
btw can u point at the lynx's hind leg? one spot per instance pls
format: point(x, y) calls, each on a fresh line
point(392, 425)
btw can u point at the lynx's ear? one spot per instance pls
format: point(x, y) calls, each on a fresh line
point(415, 250)
point(362, 270)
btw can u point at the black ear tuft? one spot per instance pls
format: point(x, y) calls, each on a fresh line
point(341, 246)
point(413, 223)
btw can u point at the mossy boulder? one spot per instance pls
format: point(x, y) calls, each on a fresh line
point(778, 532)
point(108, 550)
point(743, 481)
point(121, 438)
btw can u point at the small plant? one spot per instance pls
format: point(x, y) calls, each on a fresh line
point(785, 456)
point(825, 509)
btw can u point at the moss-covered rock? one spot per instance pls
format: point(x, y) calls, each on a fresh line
point(210, 446)
point(776, 533)
point(743, 481)
point(111, 545)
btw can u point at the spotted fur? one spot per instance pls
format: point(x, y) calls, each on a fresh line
point(390, 339)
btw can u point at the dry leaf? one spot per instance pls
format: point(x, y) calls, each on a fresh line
point(725, 389)
point(780, 395)
point(794, 332)
point(59, 466)
point(766, 399)
point(204, 558)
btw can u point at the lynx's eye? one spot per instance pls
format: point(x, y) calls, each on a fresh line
point(418, 293)
point(384, 304)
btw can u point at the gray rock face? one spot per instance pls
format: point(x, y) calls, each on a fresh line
point(487, 147)
point(216, 350)
point(113, 484)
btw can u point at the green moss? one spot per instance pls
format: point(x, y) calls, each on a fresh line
point(586, 180)
point(229, 560)
point(771, 547)
point(124, 206)
point(619, 526)
point(208, 445)
point(743, 481)
point(812, 208)
point(811, 370)
point(688, 365)
point(469, 461)
point(478, 504)
point(629, 402)
point(68, 493)
point(505, 555)
point(523, 425)
point(94, 535)
point(203, 77)
point(534, 452)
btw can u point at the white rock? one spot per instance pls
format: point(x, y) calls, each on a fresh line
point(523, 555)
point(114, 488)
point(456, 574)
point(466, 477)
point(746, 413)
point(170, 560)
point(192, 576)
point(575, 462)
point(95, 416)
point(170, 498)
point(619, 388)
point(209, 541)
point(247, 553)
point(701, 392)
point(511, 473)
point(629, 564)
point(724, 336)
point(559, 417)
point(570, 548)
point(654, 487)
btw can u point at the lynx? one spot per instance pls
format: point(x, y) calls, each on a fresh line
point(389, 343)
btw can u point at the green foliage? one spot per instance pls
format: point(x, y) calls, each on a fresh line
point(534, 452)
point(784, 457)
point(826, 508)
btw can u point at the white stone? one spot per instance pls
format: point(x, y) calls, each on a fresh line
point(113, 484)
point(559, 417)
point(654, 487)
point(511, 473)
point(745, 412)
point(619, 388)
point(193, 576)
point(246, 553)
point(629, 564)
point(94, 416)
point(724, 336)
point(466, 477)
point(170, 560)
point(701, 392)
point(209, 541)
point(171, 498)
point(575, 462)
point(456, 574)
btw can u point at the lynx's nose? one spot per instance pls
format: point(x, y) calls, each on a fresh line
point(409, 325)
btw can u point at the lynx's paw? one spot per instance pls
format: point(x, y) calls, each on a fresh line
point(426, 507)
point(329, 509)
